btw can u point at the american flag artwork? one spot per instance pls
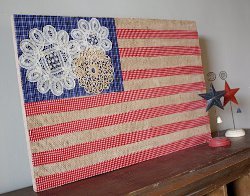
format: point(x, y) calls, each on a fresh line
point(100, 94)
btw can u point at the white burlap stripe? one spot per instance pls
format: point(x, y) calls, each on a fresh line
point(155, 24)
point(130, 43)
point(159, 62)
point(163, 81)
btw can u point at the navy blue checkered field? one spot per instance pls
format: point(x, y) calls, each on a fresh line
point(24, 23)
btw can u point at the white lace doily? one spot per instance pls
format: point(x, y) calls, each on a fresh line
point(47, 56)
point(92, 34)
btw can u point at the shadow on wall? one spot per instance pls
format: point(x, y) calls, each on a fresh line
point(206, 66)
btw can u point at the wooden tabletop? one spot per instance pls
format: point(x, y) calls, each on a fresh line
point(194, 171)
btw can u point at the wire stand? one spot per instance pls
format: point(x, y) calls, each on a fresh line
point(232, 113)
point(234, 132)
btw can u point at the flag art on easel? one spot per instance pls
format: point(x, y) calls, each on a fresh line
point(100, 94)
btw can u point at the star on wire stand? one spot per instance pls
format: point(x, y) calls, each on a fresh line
point(213, 97)
point(229, 97)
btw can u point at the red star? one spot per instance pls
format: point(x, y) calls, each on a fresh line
point(230, 94)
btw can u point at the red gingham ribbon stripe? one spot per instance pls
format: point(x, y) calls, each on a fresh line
point(159, 51)
point(147, 34)
point(71, 104)
point(50, 181)
point(162, 72)
point(103, 121)
point(62, 154)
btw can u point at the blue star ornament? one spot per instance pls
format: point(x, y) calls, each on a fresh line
point(213, 97)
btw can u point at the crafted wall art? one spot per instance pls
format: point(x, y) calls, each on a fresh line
point(100, 94)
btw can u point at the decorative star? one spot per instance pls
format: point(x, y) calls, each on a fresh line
point(213, 97)
point(230, 94)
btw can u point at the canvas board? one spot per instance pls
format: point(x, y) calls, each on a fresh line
point(99, 94)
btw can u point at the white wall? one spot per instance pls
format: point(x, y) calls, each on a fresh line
point(224, 30)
